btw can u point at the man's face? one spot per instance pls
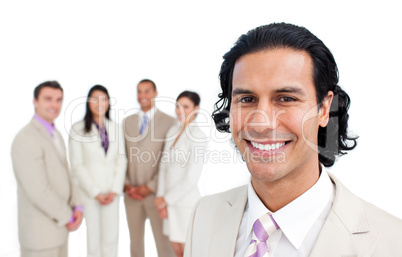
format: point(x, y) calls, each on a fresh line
point(145, 94)
point(48, 104)
point(274, 113)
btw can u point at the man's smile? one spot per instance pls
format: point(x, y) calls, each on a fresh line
point(267, 146)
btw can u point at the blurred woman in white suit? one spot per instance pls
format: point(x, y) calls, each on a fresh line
point(180, 170)
point(99, 168)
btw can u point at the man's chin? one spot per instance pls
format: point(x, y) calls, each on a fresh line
point(265, 159)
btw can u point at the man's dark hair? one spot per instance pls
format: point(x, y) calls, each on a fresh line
point(333, 140)
point(193, 96)
point(150, 81)
point(89, 118)
point(53, 84)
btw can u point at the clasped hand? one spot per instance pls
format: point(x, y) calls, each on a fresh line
point(105, 199)
point(137, 193)
point(161, 206)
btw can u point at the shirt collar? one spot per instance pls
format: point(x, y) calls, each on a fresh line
point(150, 113)
point(49, 127)
point(296, 218)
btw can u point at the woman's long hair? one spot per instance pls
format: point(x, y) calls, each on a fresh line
point(88, 118)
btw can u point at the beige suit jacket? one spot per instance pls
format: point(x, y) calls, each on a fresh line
point(46, 194)
point(95, 171)
point(353, 227)
point(144, 152)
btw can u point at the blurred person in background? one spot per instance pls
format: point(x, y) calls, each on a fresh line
point(144, 134)
point(99, 169)
point(180, 170)
point(48, 205)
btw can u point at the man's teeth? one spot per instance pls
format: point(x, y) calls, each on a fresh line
point(267, 147)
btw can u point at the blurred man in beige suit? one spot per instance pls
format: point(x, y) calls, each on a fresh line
point(144, 140)
point(288, 118)
point(48, 207)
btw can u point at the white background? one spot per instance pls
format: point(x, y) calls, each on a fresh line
point(180, 46)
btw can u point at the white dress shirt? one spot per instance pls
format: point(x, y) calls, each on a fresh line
point(150, 115)
point(300, 221)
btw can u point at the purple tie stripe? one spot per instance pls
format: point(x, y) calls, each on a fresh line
point(276, 224)
point(259, 231)
point(262, 250)
point(103, 136)
point(262, 229)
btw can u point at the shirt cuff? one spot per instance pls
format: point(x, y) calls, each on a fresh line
point(79, 208)
point(76, 208)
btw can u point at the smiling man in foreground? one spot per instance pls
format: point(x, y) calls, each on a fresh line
point(288, 117)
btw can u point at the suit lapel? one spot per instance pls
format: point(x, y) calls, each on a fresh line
point(63, 154)
point(346, 230)
point(131, 131)
point(227, 224)
point(95, 134)
point(113, 139)
point(46, 136)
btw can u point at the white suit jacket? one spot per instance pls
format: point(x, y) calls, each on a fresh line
point(181, 166)
point(353, 227)
point(96, 172)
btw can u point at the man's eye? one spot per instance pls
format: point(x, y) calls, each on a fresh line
point(247, 99)
point(287, 99)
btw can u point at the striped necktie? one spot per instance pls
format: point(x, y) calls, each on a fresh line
point(144, 123)
point(262, 229)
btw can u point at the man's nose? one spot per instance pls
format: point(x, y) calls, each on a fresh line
point(55, 104)
point(263, 118)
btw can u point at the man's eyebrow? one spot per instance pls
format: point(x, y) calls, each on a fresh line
point(290, 89)
point(240, 91)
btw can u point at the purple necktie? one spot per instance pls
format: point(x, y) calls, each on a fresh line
point(262, 229)
point(103, 136)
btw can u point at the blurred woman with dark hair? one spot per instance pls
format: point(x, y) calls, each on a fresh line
point(180, 170)
point(99, 170)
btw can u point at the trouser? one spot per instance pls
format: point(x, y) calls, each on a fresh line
point(53, 252)
point(137, 212)
point(102, 227)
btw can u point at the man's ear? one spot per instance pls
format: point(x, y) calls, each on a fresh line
point(325, 109)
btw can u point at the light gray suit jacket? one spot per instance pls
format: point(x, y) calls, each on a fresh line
point(46, 194)
point(353, 227)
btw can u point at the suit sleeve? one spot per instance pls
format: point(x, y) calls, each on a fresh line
point(126, 146)
point(153, 183)
point(121, 165)
point(78, 168)
point(30, 171)
point(193, 168)
point(161, 174)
